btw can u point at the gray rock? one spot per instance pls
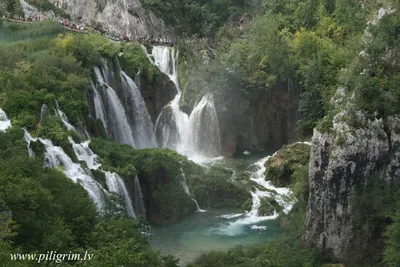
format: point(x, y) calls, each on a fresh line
point(117, 16)
point(340, 163)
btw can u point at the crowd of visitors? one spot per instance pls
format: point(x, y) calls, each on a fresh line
point(71, 26)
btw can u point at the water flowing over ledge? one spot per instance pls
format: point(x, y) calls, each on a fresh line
point(55, 157)
point(196, 136)
point(5, 123)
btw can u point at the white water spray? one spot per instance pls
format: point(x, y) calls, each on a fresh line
point(55, 157)
point(5, 123)
point(197, 136)
point(115, 184)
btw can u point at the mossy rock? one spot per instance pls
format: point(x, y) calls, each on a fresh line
point(160, 176)
point(279, 168)
point(185, 108)
point(268, 206)
point(100, 177)
point(215, 188)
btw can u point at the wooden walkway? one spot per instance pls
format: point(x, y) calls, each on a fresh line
point(142, 41)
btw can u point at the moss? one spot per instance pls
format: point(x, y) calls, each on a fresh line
point(325, 125)
point(38, 149)
point(268, 206)
point(159, 172)
point(215, 188)
point(100, 177)
point(279, 169)
point(185, 108)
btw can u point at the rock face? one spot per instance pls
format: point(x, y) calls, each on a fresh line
point(269, 123)
point(156, 94)
point(31, 12)
point(117, 16)
point(340, 165)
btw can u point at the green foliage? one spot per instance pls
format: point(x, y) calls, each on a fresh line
point(161, 170)
point(280, 168)
point(392, 250)
point(373, 203)
point(195, 17)
point(26, 31)
point(134, 60)
point(45, 5)
point(268, 206)
point(377, 88)
point(215, 188)
point(51, 211)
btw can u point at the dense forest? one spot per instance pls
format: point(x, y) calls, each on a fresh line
point(238, 50)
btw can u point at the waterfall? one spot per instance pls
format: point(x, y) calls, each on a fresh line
point(283, 196)
point(64, 118)
point(115, 184)
point(84, 153)
point(99, 107)
point(140, 117)
point(186, 189)
point(196, 136)
point(5, 123)
point(139, 204)
point(124, 114)
point(55, 157)
point(118, 124)
point(122, 130)
point(203, 129)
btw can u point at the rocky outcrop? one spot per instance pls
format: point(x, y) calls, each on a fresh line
point(284, 163)
point(269, 122)
point(354, 163)
point(341, 164)
point(119, 17)
point(157, 93)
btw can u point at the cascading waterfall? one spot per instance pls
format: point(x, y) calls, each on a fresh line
point(5, 123)
point(64, 118)
point(124, 117)
point(140, 117)
point(196, 136)
point(283, 197)
point(84, 153)
point(119, 126)
point(115, 184)
point(55, 157)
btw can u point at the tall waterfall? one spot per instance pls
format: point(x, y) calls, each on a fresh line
point(196, 136)
point(140, 117)
point(55, 157)
point(124, 113)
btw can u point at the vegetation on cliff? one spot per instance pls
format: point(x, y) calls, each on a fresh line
point(42, 210)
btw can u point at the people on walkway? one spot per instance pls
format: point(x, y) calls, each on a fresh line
point(98, 28)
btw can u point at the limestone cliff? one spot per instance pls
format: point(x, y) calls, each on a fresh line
point(357, 150)
point(118, 17)
point(341, 162)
